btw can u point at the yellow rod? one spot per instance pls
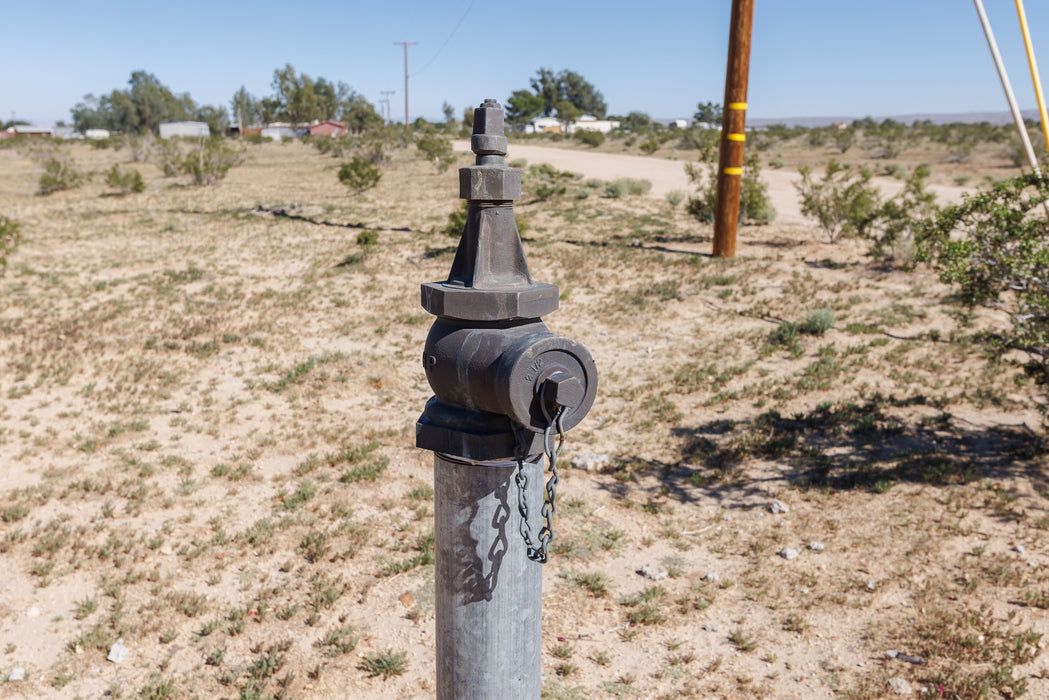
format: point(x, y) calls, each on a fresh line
point(1034, 71)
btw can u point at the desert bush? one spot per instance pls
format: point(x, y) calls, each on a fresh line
point(846, 203)
point(817, 322)
point(368, 239)
point(59, 174)
point(844, 138)
point(210, 160)
point(627, 186)
point(548, 181)
point(650, 145)
point(359, 175)
point(843, 201)
point(437, 149)
point(590, 138)
point(10, 237)
point(704, 140)
point(456, 220)
point(546, 190)
point(168, 156)
point(995, 247)
point(754, 204)
point(675, 197)
point(125, 181)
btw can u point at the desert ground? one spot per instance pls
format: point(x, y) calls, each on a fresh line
point(207, 407)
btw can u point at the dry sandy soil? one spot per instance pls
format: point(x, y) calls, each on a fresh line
point(207, 409)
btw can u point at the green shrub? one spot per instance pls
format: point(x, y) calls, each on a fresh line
point(846, 203)
point(675, 197)
point(368, 239)
point(817, 322)
point(843, 201)
point(547, 190)
point(359, 175)
point(59, 175)
point(10, 237)
point(650, 146)
point(995, 247)
point(125, 181)
point(627, 186)
point(437, 150)
point(754, 204)
point(169, 156)
point(210, 160)
point(456, 220)
point(589, 137)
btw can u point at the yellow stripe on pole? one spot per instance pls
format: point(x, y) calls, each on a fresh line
point(1034, 70)
point(737, 105)
point(733, 171)
point(737, 137)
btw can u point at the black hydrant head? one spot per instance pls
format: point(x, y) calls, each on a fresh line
point(490, 360)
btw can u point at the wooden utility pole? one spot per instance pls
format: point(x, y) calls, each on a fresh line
point(733, 134)
point(405, 44)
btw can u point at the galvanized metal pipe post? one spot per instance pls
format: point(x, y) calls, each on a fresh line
point(501, 380)
point(488, 593)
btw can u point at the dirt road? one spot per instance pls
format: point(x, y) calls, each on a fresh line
point(668, 175)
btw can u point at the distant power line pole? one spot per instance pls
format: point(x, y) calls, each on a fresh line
point(405, 44)
point(733, 130)
point(386, 101)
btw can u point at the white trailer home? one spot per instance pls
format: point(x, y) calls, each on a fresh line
point(191, 129)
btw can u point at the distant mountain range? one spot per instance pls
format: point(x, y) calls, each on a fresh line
point(958, 117)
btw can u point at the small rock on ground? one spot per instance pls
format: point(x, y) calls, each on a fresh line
point(592, 462)
point(816, 546)
point(778, 507)
point(17, 674)
point(1020, 549)
point(788, 553)
point(900, 686)
point(654, 572)
point(712, 576)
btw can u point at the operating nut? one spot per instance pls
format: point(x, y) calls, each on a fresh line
point(562, 389)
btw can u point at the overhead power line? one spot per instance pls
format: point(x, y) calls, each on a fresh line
point(452, 34)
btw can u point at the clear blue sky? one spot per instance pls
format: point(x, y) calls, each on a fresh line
point(810, 57)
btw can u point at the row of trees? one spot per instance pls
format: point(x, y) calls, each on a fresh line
point(142, 107)
point(297, 98)
point(566, 95)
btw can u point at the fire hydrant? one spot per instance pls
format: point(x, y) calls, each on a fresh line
point(505, 390)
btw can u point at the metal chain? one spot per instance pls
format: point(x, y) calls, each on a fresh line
point(540, 552)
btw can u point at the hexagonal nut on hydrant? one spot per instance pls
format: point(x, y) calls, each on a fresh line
point(488, 183)
point(563, 389)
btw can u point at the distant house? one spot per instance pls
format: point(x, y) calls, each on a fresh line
point(96, 134)
point(678, 124)
point(277, 133)
point(544, 125)
point(328, 128)
point(589, 122)
point(191, 129)
point(38, 131)
point(66, 132)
